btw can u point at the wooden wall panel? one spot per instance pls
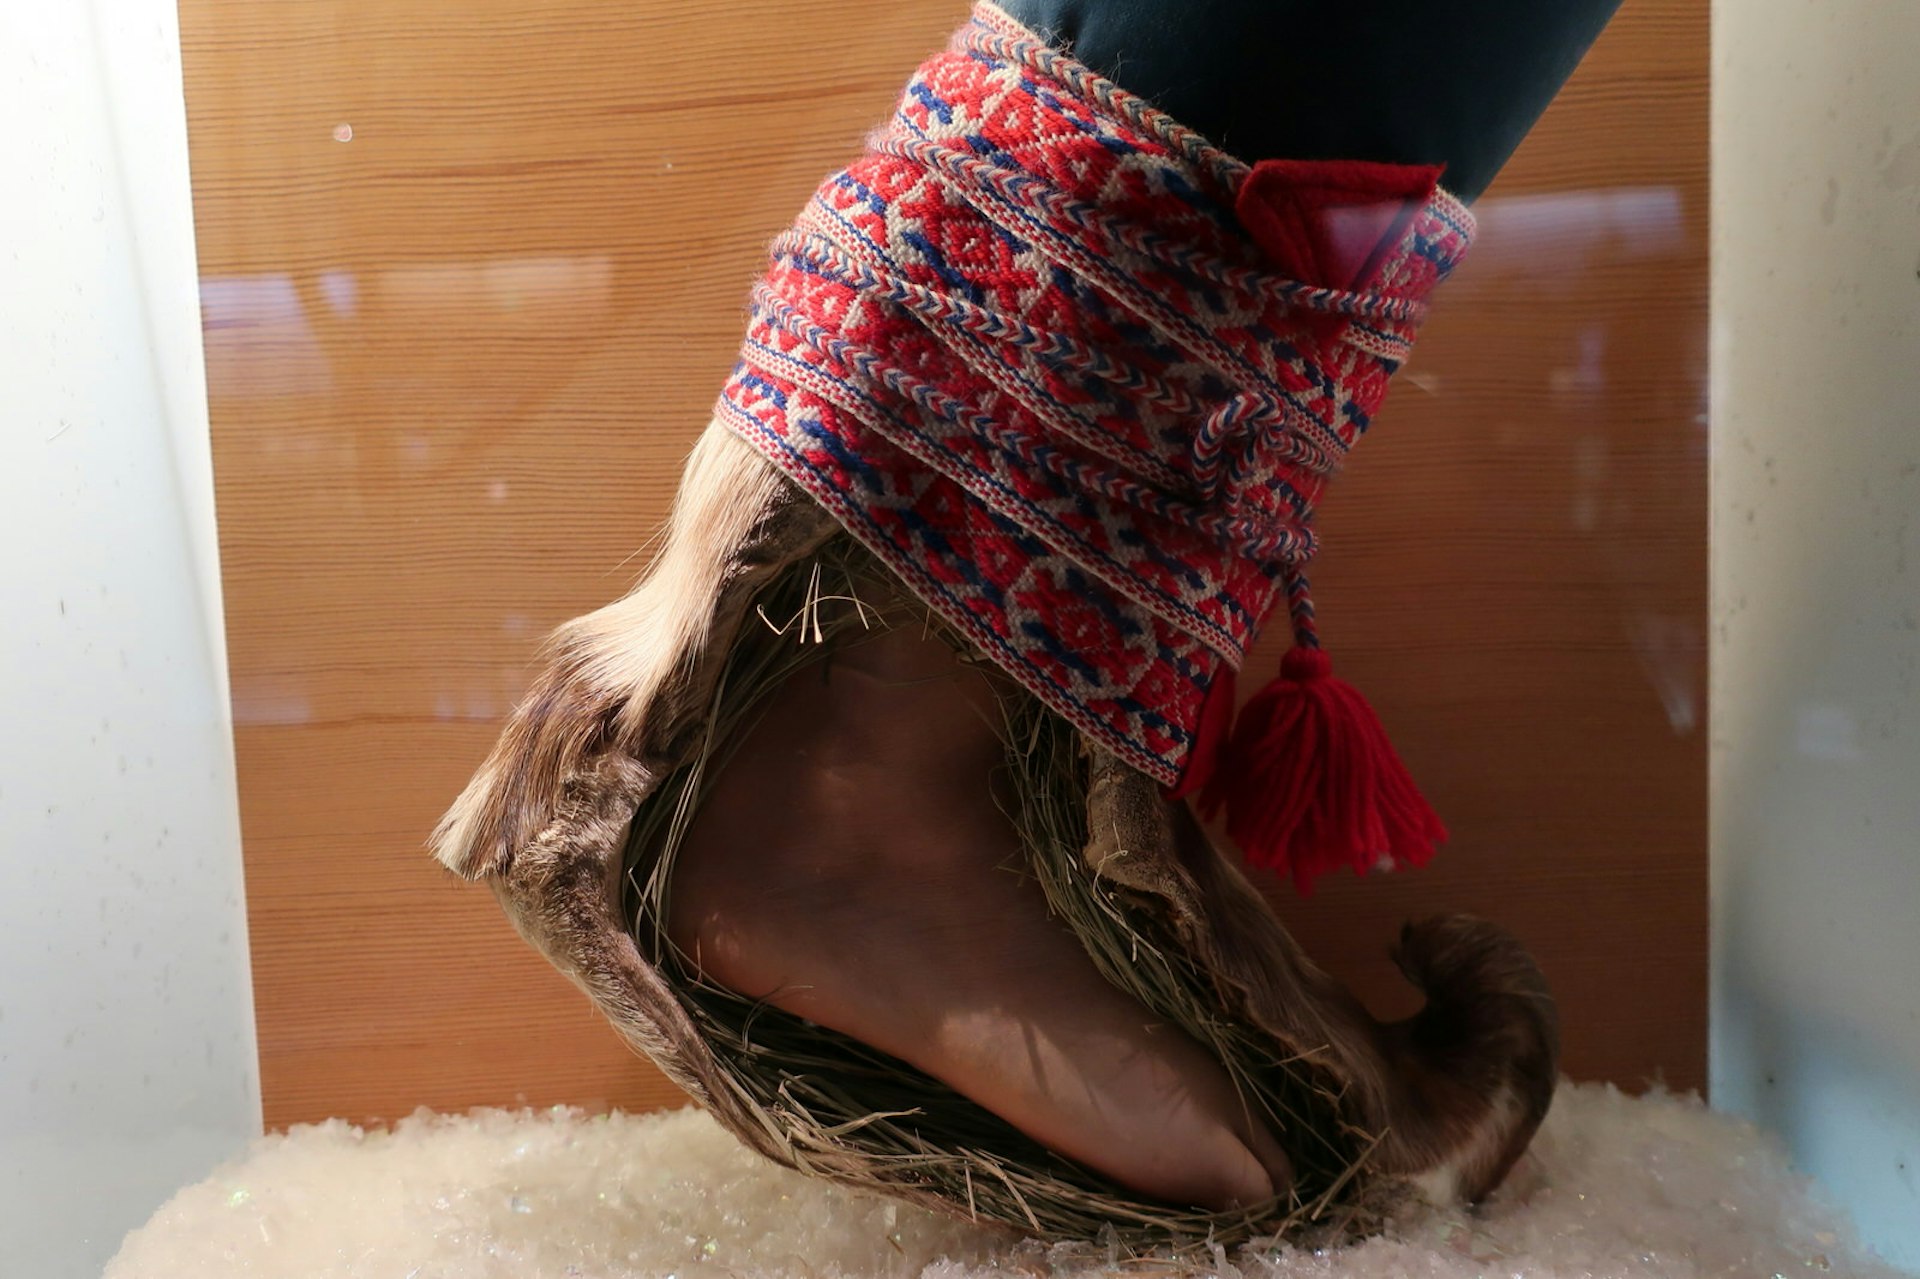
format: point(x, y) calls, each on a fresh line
point(472, 275)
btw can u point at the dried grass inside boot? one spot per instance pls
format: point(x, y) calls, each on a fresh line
point(1367, 1113)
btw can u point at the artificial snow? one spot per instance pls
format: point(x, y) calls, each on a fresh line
point(1616, 1187)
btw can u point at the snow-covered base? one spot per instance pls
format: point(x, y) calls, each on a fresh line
point(1616, 1186)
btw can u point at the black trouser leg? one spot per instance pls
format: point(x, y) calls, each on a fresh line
point(1402, 81)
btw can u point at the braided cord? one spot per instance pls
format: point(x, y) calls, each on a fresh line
point(1204, 391)
point(1279, 540)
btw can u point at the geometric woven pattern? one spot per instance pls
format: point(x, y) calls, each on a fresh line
point(1026, 351)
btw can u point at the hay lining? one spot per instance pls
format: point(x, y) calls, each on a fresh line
point(837, 1108)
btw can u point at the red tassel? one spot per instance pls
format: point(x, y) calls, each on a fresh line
point(1310, 782)
point(1209, 736)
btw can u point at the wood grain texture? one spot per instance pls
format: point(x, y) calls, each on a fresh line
point(454, 363)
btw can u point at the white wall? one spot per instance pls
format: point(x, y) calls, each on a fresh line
point(127, 1061)
point(1816, 591)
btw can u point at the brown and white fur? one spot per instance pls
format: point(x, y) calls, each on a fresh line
point(621, 699)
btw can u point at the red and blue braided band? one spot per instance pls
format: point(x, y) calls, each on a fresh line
point(1027, 353)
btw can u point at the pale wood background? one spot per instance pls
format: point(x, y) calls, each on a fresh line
point(455, 360)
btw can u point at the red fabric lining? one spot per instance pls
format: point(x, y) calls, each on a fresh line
point(1332, 222)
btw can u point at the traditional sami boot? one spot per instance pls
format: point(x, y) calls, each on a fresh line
point(1052, 375)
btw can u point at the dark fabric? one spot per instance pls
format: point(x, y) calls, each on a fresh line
point(1401, 81)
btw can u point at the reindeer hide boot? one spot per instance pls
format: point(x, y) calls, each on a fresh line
point(1057, 378)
